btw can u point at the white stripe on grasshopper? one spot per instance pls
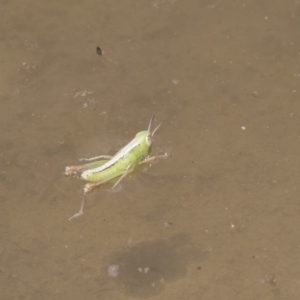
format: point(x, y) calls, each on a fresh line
point(111, 162)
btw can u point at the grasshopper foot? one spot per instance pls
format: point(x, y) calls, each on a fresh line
point(76, 215)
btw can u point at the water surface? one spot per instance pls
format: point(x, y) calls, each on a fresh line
point(217, 220)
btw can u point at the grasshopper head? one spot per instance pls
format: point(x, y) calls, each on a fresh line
point(144, 137)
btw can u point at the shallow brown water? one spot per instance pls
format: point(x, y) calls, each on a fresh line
point(219, 219)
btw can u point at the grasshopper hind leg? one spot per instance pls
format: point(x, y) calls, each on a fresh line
point(87, 188)
point(80, 212)
point(91, 185)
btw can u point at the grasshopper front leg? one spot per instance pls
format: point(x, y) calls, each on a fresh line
point(152, 158)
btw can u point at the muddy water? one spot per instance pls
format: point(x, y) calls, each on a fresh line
point(219, 219)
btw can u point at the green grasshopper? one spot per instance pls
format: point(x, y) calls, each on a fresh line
point(115, 167)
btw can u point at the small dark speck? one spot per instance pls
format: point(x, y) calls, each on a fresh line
point(199, 268)
point(99, 51)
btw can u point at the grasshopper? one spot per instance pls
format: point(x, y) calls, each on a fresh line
point(116, 167)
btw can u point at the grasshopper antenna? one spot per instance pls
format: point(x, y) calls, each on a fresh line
point(149, 127)
point(152, 134)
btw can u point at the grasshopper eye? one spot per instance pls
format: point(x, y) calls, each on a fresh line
point(148, 140)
